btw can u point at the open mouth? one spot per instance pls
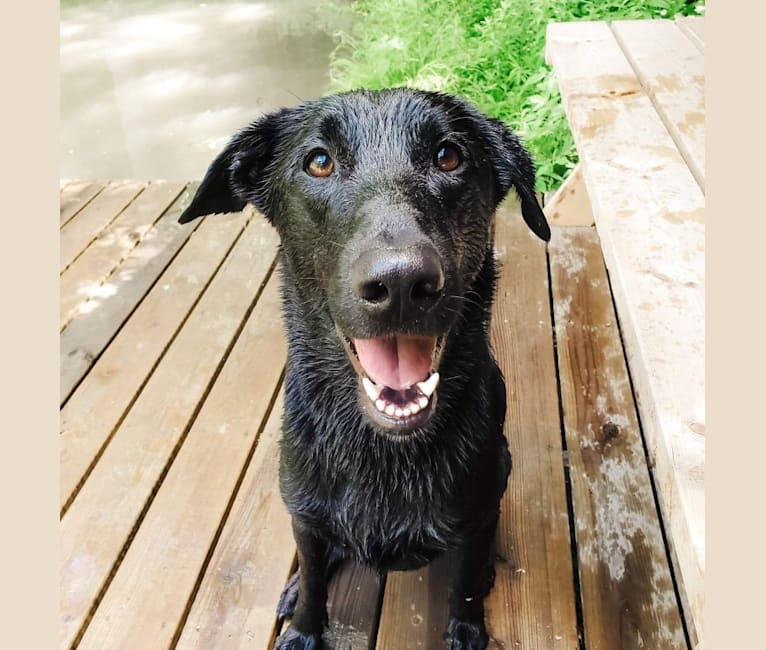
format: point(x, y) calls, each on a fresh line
point(398, 378)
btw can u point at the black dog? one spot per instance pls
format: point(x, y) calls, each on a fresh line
point(393, 450)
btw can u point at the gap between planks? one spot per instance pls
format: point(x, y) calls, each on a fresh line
point(74, 196)
point(235, 601)
point(103, 399)
point(224, 519)
point(88, 334)
point(533, 601)
point(84, 227)
point(85, 278)
point(179, 530)
point(673, 78)
point(627, 590)
point(694, 28)
point(98, 526)
point(650, 216)
point(354, 604)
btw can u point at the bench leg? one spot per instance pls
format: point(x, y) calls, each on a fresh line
point(570, 204)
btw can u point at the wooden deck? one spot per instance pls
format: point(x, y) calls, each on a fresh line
point(173, 533)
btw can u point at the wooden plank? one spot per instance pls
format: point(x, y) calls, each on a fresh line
point(628, 598)
point(81, 230)
point(415, 607)
point(694, 28)
point(181, 525)
point(353, 608)
point(649, 213)
point(533, 602)
point(75, 195)
point(570, 205)
point(84, 279)
point(100, 402)
point(86, 336)
point(100, 521)
point(235, 605)
point(672, 71)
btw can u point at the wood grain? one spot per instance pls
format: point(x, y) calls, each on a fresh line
point(628, 597)
point(88, 334)
point(74, 196)
point(86, 225)
point(650, 216)
point(533, 602)
point(570, 204)
point(353, 608)
point(107, 509)
point(415, 608)
point(694, 28)
point(106, 393)
point(85, 277)
point(672, 72)
point(235, 606)
point(181, 525)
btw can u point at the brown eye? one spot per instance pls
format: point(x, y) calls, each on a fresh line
point(447, 158)
point(319, 163)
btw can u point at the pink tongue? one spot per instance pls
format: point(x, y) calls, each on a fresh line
point(396, 362)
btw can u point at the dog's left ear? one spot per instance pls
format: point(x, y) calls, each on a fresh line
point(514, 167)
point(241, 172)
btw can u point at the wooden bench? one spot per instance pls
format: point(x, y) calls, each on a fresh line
point(173, 533)
point(634, 96)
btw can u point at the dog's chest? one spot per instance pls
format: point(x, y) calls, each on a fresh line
point(396, 523)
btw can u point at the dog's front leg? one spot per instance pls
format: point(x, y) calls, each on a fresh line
point(310, 616)
point(474, 578)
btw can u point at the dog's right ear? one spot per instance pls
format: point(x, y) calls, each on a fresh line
point(241, 172)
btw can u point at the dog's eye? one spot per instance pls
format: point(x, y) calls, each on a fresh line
point(447, 157)
point(319, 163)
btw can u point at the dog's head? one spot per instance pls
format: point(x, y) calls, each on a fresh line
point(383, 202)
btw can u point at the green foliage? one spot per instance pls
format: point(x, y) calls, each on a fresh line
point(488, 51)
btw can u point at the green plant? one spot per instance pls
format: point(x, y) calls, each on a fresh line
point(489, 51)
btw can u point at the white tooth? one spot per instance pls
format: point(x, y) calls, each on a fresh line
point(406, 411)
point(428, 386)
point(414, 408)
point(398, 412)
point(390, 409)
point(373, 390)
point(422, 402)
point(381, 405)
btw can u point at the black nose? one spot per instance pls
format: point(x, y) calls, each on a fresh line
point(399, 284)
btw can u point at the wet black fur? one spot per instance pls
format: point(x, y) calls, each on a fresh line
point(353, 491)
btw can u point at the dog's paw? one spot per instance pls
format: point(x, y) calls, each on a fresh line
point(462, 635)
point(291, 639)
point(289, 597)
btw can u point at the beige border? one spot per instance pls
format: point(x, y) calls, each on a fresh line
point(735, 593)
point(734, 35)
point(29, 289)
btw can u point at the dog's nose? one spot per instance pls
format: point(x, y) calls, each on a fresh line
point(398, 284)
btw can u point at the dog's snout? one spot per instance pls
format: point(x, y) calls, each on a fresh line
point(398, 284)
